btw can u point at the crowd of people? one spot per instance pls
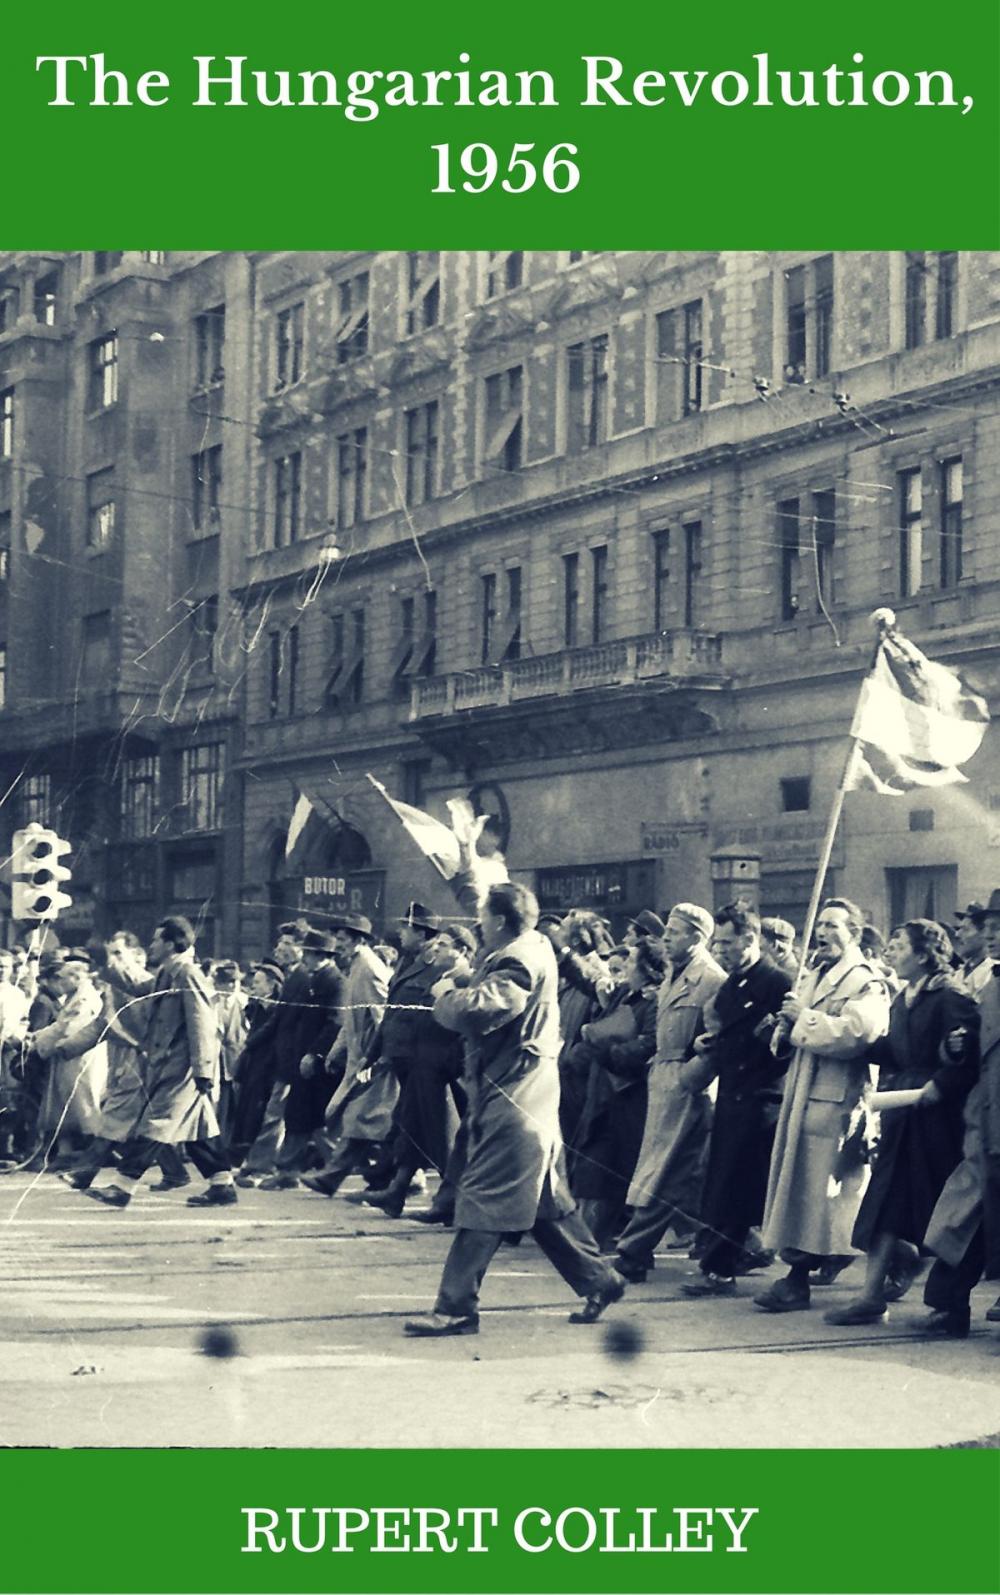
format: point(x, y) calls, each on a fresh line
point(685, 1088)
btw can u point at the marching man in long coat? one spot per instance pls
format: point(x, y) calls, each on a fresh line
point(513, 1179)
point(667, 1183)
point(182, 1049)
point(818, 1173)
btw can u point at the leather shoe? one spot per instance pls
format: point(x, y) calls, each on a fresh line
point(634, 1273)
point(827, 1272)
point(857, 1313)
point(110, 1195)
point(322, 1184)
point(215, 1196)
point(784, 1298)
point(247, 1181)
point(281, 1182)
point(952, 1325)
point(80, 1180)
point(993, 1313)
point(389, 1202)
point(430, 1217)
point(903, 1273)
point(436, 1324)
point(170, 1185)
point(613, 1290)
point(710, 1285)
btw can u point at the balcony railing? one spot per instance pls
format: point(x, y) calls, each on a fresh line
point(681, 655)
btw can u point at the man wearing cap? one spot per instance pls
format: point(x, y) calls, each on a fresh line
point(281, 1033)
point(359, 1113)
point(182, 1048)
point(964, 1231)
point(425, 1058)
point(969, 939)
point(666, 1185)
point(319, 1018)
point(513, 1179)
point(646, 926)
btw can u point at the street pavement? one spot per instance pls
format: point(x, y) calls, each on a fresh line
point(104, 1316)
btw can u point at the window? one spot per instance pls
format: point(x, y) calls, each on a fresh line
point(415, 773)
point(951, 522)
point(921, 819)
point(100, 510)
point(204, 634)
point(809, 319)
point(345, 683)
point(293, 669)
point(209, 346)
point(154, 257)
point(504, 396)
point(824, 527)
point(206, 488)
point(6, 423)
point(102, 389)
point(588, 393)
point(5, 546)
point(404, 645)
point(510, 642)
point(423, 290)
point(352, 474)
point(916, 299)
point(140, 792)
point(489, 616)
point(823, 307)
point(289, 332)
point(599, 590)
point(796, 794)
point(352, 327)
point(911, 531)
point(3, 675)
point(571, 599)
point(201, 786)
point(287, 499)
point(661, 578)
point(788, 543)
point(10, 301)
point(425, 653)
point(95, 663)
point(422, 453)
point(274, 674)
point(47, 298)
point(36, 799)
point(692, 357)
point(106, 260)
point(947, 292)
point(692, 569)
point(504, 271)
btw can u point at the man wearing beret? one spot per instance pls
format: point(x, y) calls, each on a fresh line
point(666, 1185)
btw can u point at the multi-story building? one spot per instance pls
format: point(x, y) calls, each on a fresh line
point(594, 538)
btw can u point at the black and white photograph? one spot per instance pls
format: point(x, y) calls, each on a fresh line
point(499, 849)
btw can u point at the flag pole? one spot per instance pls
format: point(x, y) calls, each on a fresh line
point(884, 621)
point(380, 789)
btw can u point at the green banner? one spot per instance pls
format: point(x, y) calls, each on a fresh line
point(495, 1521)
point(397, 126)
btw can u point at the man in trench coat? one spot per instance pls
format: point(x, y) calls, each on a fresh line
point(667, 1183)
point(819, 1170)
point(182, 1051)
point(513, 1179)
point(964, 1231)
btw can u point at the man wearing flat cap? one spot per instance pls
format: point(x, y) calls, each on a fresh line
point(666, 1185)
point(970, 944)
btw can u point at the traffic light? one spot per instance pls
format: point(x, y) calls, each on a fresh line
point(37, 874)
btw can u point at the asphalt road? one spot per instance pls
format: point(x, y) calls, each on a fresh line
point(103, 1318)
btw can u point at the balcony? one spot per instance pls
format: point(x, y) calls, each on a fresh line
point(681, 658)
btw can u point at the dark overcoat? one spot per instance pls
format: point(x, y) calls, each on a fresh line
point(748, 1098)
point(427, 1060)
point(320, 1011)
point(919, 1147)
point(971, 1196)
point(609, 1136)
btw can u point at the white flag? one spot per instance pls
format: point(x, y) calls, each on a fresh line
point(918, 719)
point(297, 824)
